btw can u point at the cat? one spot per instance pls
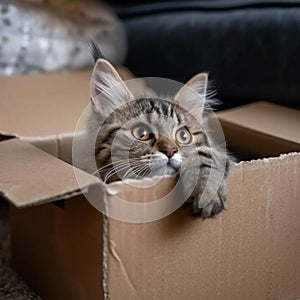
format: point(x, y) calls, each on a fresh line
point(151, 136)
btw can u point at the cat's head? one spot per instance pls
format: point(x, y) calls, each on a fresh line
point(144, 136)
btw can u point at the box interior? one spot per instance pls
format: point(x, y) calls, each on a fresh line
point(261, 130)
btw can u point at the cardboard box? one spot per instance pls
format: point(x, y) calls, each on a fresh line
point(262, 129)
point(65, 249)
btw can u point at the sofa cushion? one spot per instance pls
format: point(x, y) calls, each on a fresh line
point(251, 48)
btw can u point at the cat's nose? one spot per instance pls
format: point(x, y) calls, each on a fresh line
point(169, 151)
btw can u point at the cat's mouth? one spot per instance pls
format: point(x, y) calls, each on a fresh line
point(169, 166)
point(170, 169)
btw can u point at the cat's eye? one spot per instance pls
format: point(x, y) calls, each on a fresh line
point(140, 133)
point(183, 136)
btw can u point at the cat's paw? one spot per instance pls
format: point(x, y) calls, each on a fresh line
point(214, 207)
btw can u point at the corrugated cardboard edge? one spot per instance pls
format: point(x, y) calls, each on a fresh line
point(266, 160)
point(105, 260)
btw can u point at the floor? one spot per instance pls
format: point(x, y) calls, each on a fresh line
point(12, 287)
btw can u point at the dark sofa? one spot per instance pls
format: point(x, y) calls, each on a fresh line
point(250, 48)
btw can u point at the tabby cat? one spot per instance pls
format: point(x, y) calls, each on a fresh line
point(150, 136)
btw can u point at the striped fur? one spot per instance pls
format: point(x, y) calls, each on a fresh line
point(120, 155)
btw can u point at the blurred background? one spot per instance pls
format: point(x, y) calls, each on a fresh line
point(249, 47)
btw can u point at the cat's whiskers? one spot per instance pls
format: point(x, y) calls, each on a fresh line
point(142, 172)
point(114, 163)
point(135, 170)
point(128, 174)
point(123, 166)
point(115, 170)
point(130, 170)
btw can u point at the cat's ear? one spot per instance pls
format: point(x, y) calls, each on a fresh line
point(107, 89)
point(192, 95)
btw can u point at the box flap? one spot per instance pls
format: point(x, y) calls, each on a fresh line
point(262, 128)
point(30, 176)
point(42, 105)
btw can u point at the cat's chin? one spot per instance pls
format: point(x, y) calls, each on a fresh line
point(170, 170)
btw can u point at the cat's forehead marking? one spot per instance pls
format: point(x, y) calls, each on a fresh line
point(160, 115)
